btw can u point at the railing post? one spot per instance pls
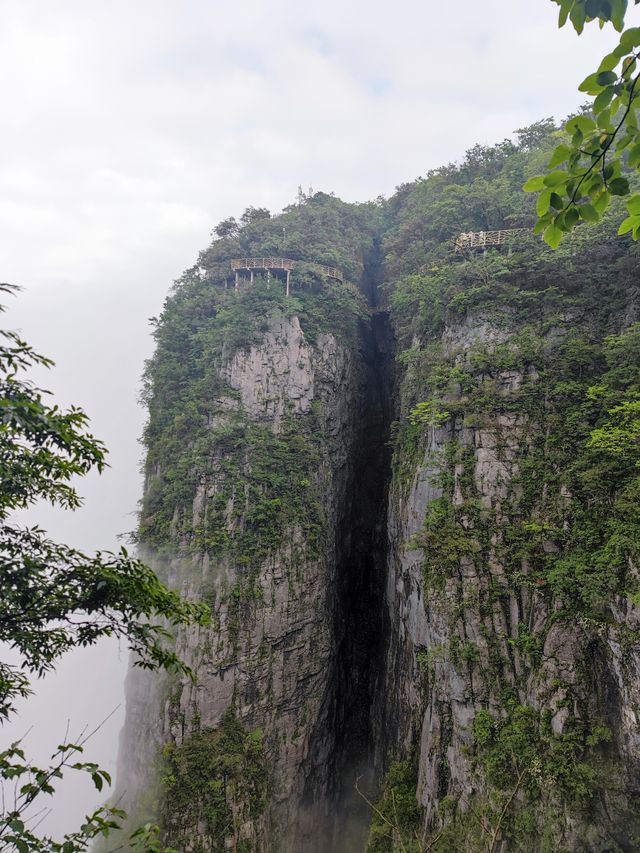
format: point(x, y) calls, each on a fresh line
point(288, 275)
point(237, 284)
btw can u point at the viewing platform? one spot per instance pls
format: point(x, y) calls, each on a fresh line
point(483, 239)
point(286, 265)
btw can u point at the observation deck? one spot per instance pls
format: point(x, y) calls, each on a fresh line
point(483, 239)
point(286, 265)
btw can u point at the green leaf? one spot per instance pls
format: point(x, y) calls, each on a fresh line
point(578, 16)
point(602, 202)
point(590, 84)
point(543, 202)
point(556, 201)
point(582, 123)
point(603, 100)
point(554, 179)
point(594, 8)
point(561, 153)
point(534, 184)
point(624, 141)
point(552, 236)
point(609, 62)
point(626, 225)
point(618, 9)
point(629, 39)
point(594, 183)
point(619, 186)
point(628, 67)
point(571, 217)
point(604, 120)
point(633, 158)
point(588, 213)
point(558, 221)
point(564, 14)
point(605, 78)
point(633, 205)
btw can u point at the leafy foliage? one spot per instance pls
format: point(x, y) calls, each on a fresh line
point(56, 598)
point(597, 151)
point(526, 764)
point(198, 435)
point(218, 778)
point(30, 782)
point(395, 823)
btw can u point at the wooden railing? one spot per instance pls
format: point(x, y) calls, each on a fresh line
point(286, 264)
point(262, 264)
point(332, 272)
point(482, 239)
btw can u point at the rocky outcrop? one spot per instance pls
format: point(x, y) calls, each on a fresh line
point(477, 635)
point(453, 632)
point(275, 651)
point(278, 376)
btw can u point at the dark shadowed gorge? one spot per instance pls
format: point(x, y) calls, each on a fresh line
point(361, 622)
point(410, 498)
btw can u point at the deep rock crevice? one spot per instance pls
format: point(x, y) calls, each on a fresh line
point(361, 627)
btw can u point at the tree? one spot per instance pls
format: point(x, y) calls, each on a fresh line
point(56, 598)
point(600, 149)
point(254, 214)
point(227, 229)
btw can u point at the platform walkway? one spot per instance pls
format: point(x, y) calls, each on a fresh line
point(286, 265)
point(483, 239)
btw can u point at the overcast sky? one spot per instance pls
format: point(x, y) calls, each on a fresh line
point(131, 128)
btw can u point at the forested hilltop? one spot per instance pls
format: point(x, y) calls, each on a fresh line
point(411, 500)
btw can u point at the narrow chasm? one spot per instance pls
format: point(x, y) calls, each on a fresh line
point(361, 625)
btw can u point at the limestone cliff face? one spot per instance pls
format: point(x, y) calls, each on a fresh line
point(388, 621)
point(271, 651)
point(422, 564)
point(479, 633)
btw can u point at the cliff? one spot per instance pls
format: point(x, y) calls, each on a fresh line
point(411, 502)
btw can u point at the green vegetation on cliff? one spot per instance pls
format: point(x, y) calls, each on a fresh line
point(195, 416)
point(527, 358)
point(238, 480)
point(518, 389)
point(218, 778)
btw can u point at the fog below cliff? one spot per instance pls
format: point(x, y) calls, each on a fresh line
point(97, 366)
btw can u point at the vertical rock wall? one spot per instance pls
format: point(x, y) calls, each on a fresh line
point(454, 630)
point(514, 714)
point(279, 650)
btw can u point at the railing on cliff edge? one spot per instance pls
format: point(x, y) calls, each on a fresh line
point(286, 265)
point(482, 239)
